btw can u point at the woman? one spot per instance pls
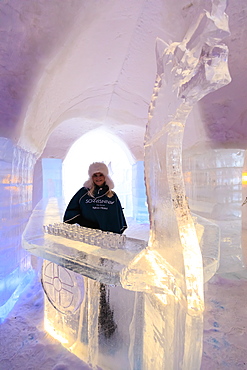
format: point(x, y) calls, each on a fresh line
point(95, 205)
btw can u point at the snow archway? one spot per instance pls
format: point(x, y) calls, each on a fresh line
point(99, 146)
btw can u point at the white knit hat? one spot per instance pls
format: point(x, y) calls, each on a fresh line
point(98, 167)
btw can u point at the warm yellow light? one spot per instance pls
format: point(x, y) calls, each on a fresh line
point(188, 177)
point(51, 330)
point(7, 179)
point(244, 178)
point(193, 269)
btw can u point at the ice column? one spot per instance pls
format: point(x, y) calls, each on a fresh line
point(16, 166)
point(186, 72)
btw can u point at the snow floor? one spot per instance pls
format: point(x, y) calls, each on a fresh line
point(25, 345)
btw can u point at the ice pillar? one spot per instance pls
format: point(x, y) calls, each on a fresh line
point(16, 166)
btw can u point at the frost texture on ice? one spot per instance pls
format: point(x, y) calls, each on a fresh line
point(153, 301)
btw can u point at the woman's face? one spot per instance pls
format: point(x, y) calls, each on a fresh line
point(98, 178)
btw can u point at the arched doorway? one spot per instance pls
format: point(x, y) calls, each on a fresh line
point(101, 146)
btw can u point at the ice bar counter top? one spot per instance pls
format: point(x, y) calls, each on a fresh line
point(102, 261)
point(101, 257)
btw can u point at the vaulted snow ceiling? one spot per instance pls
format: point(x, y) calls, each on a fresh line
point(71, 66)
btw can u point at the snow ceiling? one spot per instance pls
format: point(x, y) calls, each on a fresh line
point(68, 67)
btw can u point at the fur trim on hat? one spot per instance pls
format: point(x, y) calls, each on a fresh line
point(98, 167)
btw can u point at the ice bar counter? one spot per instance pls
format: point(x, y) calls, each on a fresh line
point(79, 262)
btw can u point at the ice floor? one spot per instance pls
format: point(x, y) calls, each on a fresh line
point(24, 344)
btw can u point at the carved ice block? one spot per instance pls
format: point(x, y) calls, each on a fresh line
point(84, 299)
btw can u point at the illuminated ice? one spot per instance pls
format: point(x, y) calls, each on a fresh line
point(187, 71)
point(151, 296)
point(16, 168)
point(72, 294)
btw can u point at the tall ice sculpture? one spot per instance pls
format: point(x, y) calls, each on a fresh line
point(155, 306)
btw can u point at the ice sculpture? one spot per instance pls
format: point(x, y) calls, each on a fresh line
point(152, 317)
point(16, 168)
point(187, 71)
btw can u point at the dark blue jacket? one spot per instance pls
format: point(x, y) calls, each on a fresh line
point(97, 212)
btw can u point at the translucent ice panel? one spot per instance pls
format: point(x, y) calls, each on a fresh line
point(96, 330)
point(16, 168)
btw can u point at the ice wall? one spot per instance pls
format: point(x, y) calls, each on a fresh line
point(213, 179)
point(16, 167)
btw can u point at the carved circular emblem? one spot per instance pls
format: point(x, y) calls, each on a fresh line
point(63, 288)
